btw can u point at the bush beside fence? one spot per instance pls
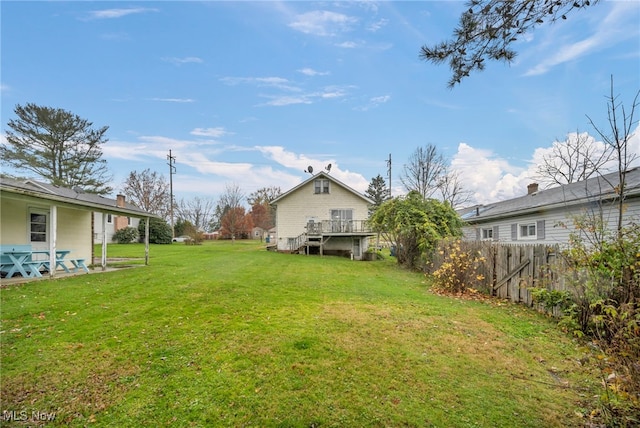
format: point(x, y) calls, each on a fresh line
point(508, 271)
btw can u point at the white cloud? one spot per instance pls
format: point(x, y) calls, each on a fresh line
point(174, 100)
point(347, 45)
point(185, 60)
point(279, 101)
point(301, 162)
point(322, 23)
point(375, 26)
point(118, 13)
point(272, 82)
point(487, 176)
point(311, 72)
point(216, 132)
point(374, 102)
point(619, 24)
point(491, 178)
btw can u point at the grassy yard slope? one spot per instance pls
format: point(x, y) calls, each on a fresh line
point(232, 335)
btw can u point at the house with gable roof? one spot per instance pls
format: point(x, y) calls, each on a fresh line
point(48, 217)
point(322, 216)
point(547, 216)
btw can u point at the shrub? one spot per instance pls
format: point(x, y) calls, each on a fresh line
point(159, 231)
point(604, 276)
point(460, 270)
point(415, 225)
point(195, 236)
point(125, 235)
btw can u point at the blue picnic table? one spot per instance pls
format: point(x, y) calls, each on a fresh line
point(19, 261)
point(27, 262)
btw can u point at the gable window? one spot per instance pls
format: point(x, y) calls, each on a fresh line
point(527, 231)
point(487, 233)
point(321, 185)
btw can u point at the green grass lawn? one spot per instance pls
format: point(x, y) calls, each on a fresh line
point(233, 335)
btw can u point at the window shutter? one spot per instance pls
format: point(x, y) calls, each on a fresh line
point(496, 231)
point(478, 234)
point(514, 232)
point(540, 229)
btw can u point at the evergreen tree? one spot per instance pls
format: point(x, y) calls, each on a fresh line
point(377, 191)
point(58, 146)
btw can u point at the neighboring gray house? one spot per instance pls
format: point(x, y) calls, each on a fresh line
point(546, 216)
point(322, 216)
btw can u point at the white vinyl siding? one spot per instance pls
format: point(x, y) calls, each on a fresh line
point(294, 211)
point(557, 225)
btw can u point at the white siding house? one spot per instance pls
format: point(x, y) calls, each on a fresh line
point(113, 222)
point(51, 218)
point(547, 216)
point(322, 216)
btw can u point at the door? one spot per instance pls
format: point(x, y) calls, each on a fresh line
point(356, 249)
point(39, 220)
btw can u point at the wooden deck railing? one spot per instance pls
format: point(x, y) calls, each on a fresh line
point(325, 227)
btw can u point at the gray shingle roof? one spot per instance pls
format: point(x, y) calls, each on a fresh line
point(597, 188)
point(63, 195)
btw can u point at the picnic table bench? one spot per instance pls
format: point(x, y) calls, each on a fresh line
point(18, 259)
point(27, 262)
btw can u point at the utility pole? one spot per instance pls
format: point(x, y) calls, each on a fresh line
point(389, 173)
point(172, 170)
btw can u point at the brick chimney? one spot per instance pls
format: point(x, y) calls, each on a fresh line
point(120, 221)
point(532, 188)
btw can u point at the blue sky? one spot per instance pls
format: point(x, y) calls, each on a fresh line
point(251, 93)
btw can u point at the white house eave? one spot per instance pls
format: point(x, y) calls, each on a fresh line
point(21, 194)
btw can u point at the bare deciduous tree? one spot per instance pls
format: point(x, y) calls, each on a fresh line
point(197, 211)
point(264, 195)
point(148, 190)
point(575, 159)
point(453, 191)
point(617, 137)
point(232, 198)
point(424, 171)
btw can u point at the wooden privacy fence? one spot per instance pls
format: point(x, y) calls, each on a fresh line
point(509, 271)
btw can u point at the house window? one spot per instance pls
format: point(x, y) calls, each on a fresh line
point(341, 220)
point(38, 227)
point(129, 221)
point(321, 185)
point(109, 219)
point(487, 233)
point(527, 231)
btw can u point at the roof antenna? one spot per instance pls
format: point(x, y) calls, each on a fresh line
point(309, 169)
point(328, 168)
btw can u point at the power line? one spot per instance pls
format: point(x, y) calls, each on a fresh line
point(172, 170)
point(389, 173)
